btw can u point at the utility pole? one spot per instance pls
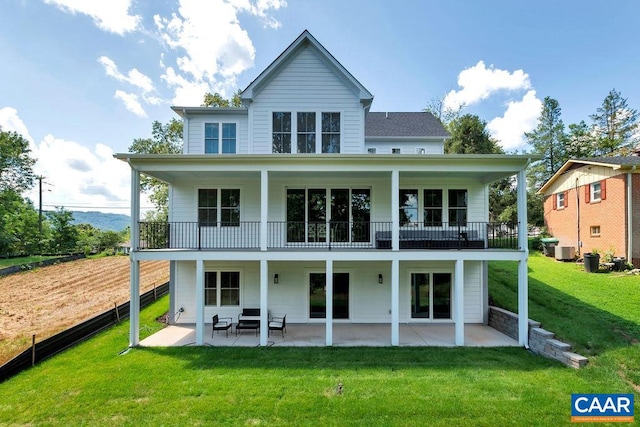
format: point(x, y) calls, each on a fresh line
point(40, 178)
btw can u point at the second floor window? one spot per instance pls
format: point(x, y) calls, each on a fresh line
point(281, 136)
point(306, 132)
point(330, 132)
point(408, 207)
point(560, 200)
point(458, 207)
point(220, 138)
point(596, 192)
point(219, 206)
point(433, 207)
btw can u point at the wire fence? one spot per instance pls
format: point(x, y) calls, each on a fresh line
point(75, 335)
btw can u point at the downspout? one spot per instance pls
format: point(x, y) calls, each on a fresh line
point(578, 245)
point(630, 214)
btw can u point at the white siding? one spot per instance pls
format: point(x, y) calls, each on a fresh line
point(429, 147)
point(307, 84)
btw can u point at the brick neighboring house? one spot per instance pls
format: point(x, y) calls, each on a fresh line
point(595, 204)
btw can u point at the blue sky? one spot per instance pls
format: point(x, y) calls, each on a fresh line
point(81, 79)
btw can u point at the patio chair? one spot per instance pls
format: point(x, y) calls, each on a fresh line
point(278, 324)
point(221, 324)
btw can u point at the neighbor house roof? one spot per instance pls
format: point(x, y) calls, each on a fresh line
point(616, 162)
point(418, 124)
point(306, 39)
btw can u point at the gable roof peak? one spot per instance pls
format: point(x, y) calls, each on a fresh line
point(305, 39)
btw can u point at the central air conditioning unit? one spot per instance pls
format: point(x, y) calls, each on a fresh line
point(565, 253)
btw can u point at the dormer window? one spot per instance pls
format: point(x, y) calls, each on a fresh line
point(281, 142)
point(306, 132)
point(309, 127)
point(395, 151)
point(330, 132)
point(220, 138)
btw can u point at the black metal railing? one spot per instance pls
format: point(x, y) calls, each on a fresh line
point(327, 235)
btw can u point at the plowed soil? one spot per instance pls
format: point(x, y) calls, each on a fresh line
point(48, 300)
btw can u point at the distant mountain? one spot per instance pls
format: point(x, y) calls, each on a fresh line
point(102, 221)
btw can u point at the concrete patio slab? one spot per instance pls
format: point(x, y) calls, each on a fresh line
point(344, 335)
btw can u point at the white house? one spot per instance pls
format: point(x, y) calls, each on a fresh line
point(305, 203)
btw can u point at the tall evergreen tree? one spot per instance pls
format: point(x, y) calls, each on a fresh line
point(547, 140)
point(469, 135)
point(616, 125)
point(580, 141)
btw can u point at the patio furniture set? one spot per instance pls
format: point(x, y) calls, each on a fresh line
point(248, 319)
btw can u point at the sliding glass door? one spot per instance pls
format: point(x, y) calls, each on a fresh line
point(431, 295)
point(318, 295)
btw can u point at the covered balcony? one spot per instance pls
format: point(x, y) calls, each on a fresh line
point(282, 235)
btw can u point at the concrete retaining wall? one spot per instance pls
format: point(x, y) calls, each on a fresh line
point(541, 341)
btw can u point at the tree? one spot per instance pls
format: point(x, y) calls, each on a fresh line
point(469, 135)
point(616, 124)
point(165, 139)
point(446, 115)
point(16, 163)
point(547, 140)
point(216, 100)
point(19, 233)
point(580, 141)
point(64, 235)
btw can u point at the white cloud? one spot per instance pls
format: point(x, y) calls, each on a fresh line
point(131, 102)
point(108, 15)
point(11, 122)
point(479, 83)
point(133, 77)
point(520, 117)
point(213, 48)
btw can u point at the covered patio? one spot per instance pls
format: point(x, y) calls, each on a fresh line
point(344, 335)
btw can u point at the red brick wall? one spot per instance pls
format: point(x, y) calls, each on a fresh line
point(609, 214)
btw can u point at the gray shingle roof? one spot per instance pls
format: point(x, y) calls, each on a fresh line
point(614, 160)
point(420, 124)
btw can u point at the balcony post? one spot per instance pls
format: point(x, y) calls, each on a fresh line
point(264, 302)
point(329, 303)
point(523, 283)
point(199, 302)
point(264, 208)
point(395, 302)
point(395, 211)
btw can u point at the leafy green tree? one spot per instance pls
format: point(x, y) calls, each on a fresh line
point(19, 233)
point(469, 135)
point(165, 139)
point(580, 141)
point(16, 163)
point(616, 125)
point(216, 100)
point(110, 239)
point(547, 140)
point(64, 234)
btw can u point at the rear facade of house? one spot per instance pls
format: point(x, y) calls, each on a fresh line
point(593, 205)
point(303, 202)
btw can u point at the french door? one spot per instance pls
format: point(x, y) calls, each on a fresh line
point(431, 295)
point(318, 295)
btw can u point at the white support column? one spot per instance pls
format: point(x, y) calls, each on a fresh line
point(329, 303)
point(199, 302)
point(523, 273)
point(264, 208)
point(134, 305)
point(134, 285)
point(264, 302)
point(395, 212)
point(395, 302)
point(458, 302)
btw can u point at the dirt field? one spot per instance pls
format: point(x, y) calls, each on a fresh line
point(48, 300)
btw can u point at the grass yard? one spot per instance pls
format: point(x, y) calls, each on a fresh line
point(9, 262)
point(93, 385)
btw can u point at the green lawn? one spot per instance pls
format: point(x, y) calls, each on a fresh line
point(8, 262)
point(93, 385)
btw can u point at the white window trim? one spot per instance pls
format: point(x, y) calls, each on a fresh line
point(592, 192)
point(219, 201)
point(558, 205)
point(220, 123)
point(218, 283)
point(294, 128)
point(445, 203)
point(431, 271)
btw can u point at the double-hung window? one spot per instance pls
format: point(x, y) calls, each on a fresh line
point(408, 208)
point(330, 132)
point(222, 288)
point(596, 192)
point(458, 207)
point(219, 206)
point(220, 138)
point(281, 136)
point(306, 132)
point(432, 208)
point(560, 200)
